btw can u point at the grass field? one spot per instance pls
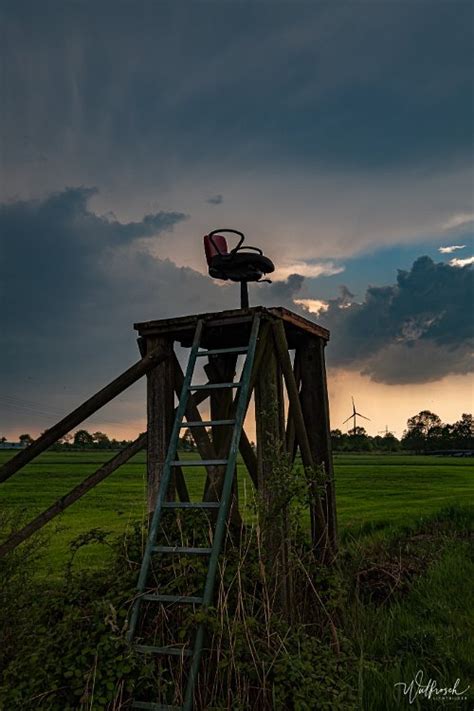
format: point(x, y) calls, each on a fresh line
point(373, 491)
point(402, 597)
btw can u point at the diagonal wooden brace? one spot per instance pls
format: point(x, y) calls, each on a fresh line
point(65, 501)
point(320, 532)
point(82, 412)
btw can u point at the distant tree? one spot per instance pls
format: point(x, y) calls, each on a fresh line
point(358, 440)
point(358, 432)
point(390, 443)
point(445, 439)
point(101, 440)
point(425, 422)
point(187, 441)
point(83, 439)
point(3, 439)
point(463, 432)
point(424, 431)
point(337, 440)
point(64, 442)
point(25, 439)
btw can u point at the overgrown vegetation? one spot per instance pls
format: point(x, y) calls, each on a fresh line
point(400, 601)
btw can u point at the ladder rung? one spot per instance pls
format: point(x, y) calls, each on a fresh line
point(175, 651)
point(207, 423)
point(154, 707)
point(218, 351)
point(181, 549)
point(184, 599)
point(198, 462)
point(215, 386)
point(190, 505)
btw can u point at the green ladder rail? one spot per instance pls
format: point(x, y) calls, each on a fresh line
point(222, 507)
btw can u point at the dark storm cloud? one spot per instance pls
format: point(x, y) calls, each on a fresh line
point(74, 282)
point(417, 330)
point(54, 250)
point(72, 285)
point(344, 84)
point(282, 291)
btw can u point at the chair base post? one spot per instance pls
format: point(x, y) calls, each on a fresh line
point(244, 295)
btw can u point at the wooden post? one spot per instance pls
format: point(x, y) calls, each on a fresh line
point(318, 519)
point(315, 406)
point(221, 369)
point(160, 416)
point(269, 415)
point(180, 482)
point(291, 443)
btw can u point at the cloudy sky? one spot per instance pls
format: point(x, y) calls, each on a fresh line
point(336, 135)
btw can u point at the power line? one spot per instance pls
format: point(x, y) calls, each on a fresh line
point(37, 408)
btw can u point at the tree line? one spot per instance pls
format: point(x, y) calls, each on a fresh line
point(83, 439)
point(425, 432)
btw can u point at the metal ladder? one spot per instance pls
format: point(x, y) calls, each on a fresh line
point(222, 507)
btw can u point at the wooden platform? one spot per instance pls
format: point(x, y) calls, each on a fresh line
point(221, 331)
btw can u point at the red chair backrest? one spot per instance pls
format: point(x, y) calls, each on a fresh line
point(219, 241)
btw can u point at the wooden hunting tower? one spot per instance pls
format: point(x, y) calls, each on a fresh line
point(243, 353)
point(225, 335)
point(263, 337)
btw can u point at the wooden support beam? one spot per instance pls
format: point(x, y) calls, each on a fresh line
point(269, 416)
point(160, 416)
point(61, 504)
point(249, 457)
point(180, 482)
point(203, 442)
point(318, 518)
point(291, 443)
point(263, 346)
point(315, 406)
point(205, 447)
point(221, 369)
point(81, 413)
point(246, 450)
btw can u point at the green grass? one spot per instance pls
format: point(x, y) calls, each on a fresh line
point(428, 627)
point(394, 510)
point(377, 489)
point(374, 491)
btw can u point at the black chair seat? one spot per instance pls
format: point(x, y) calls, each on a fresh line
point(240, 266)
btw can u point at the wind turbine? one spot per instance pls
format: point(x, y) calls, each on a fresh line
point(354, 416)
